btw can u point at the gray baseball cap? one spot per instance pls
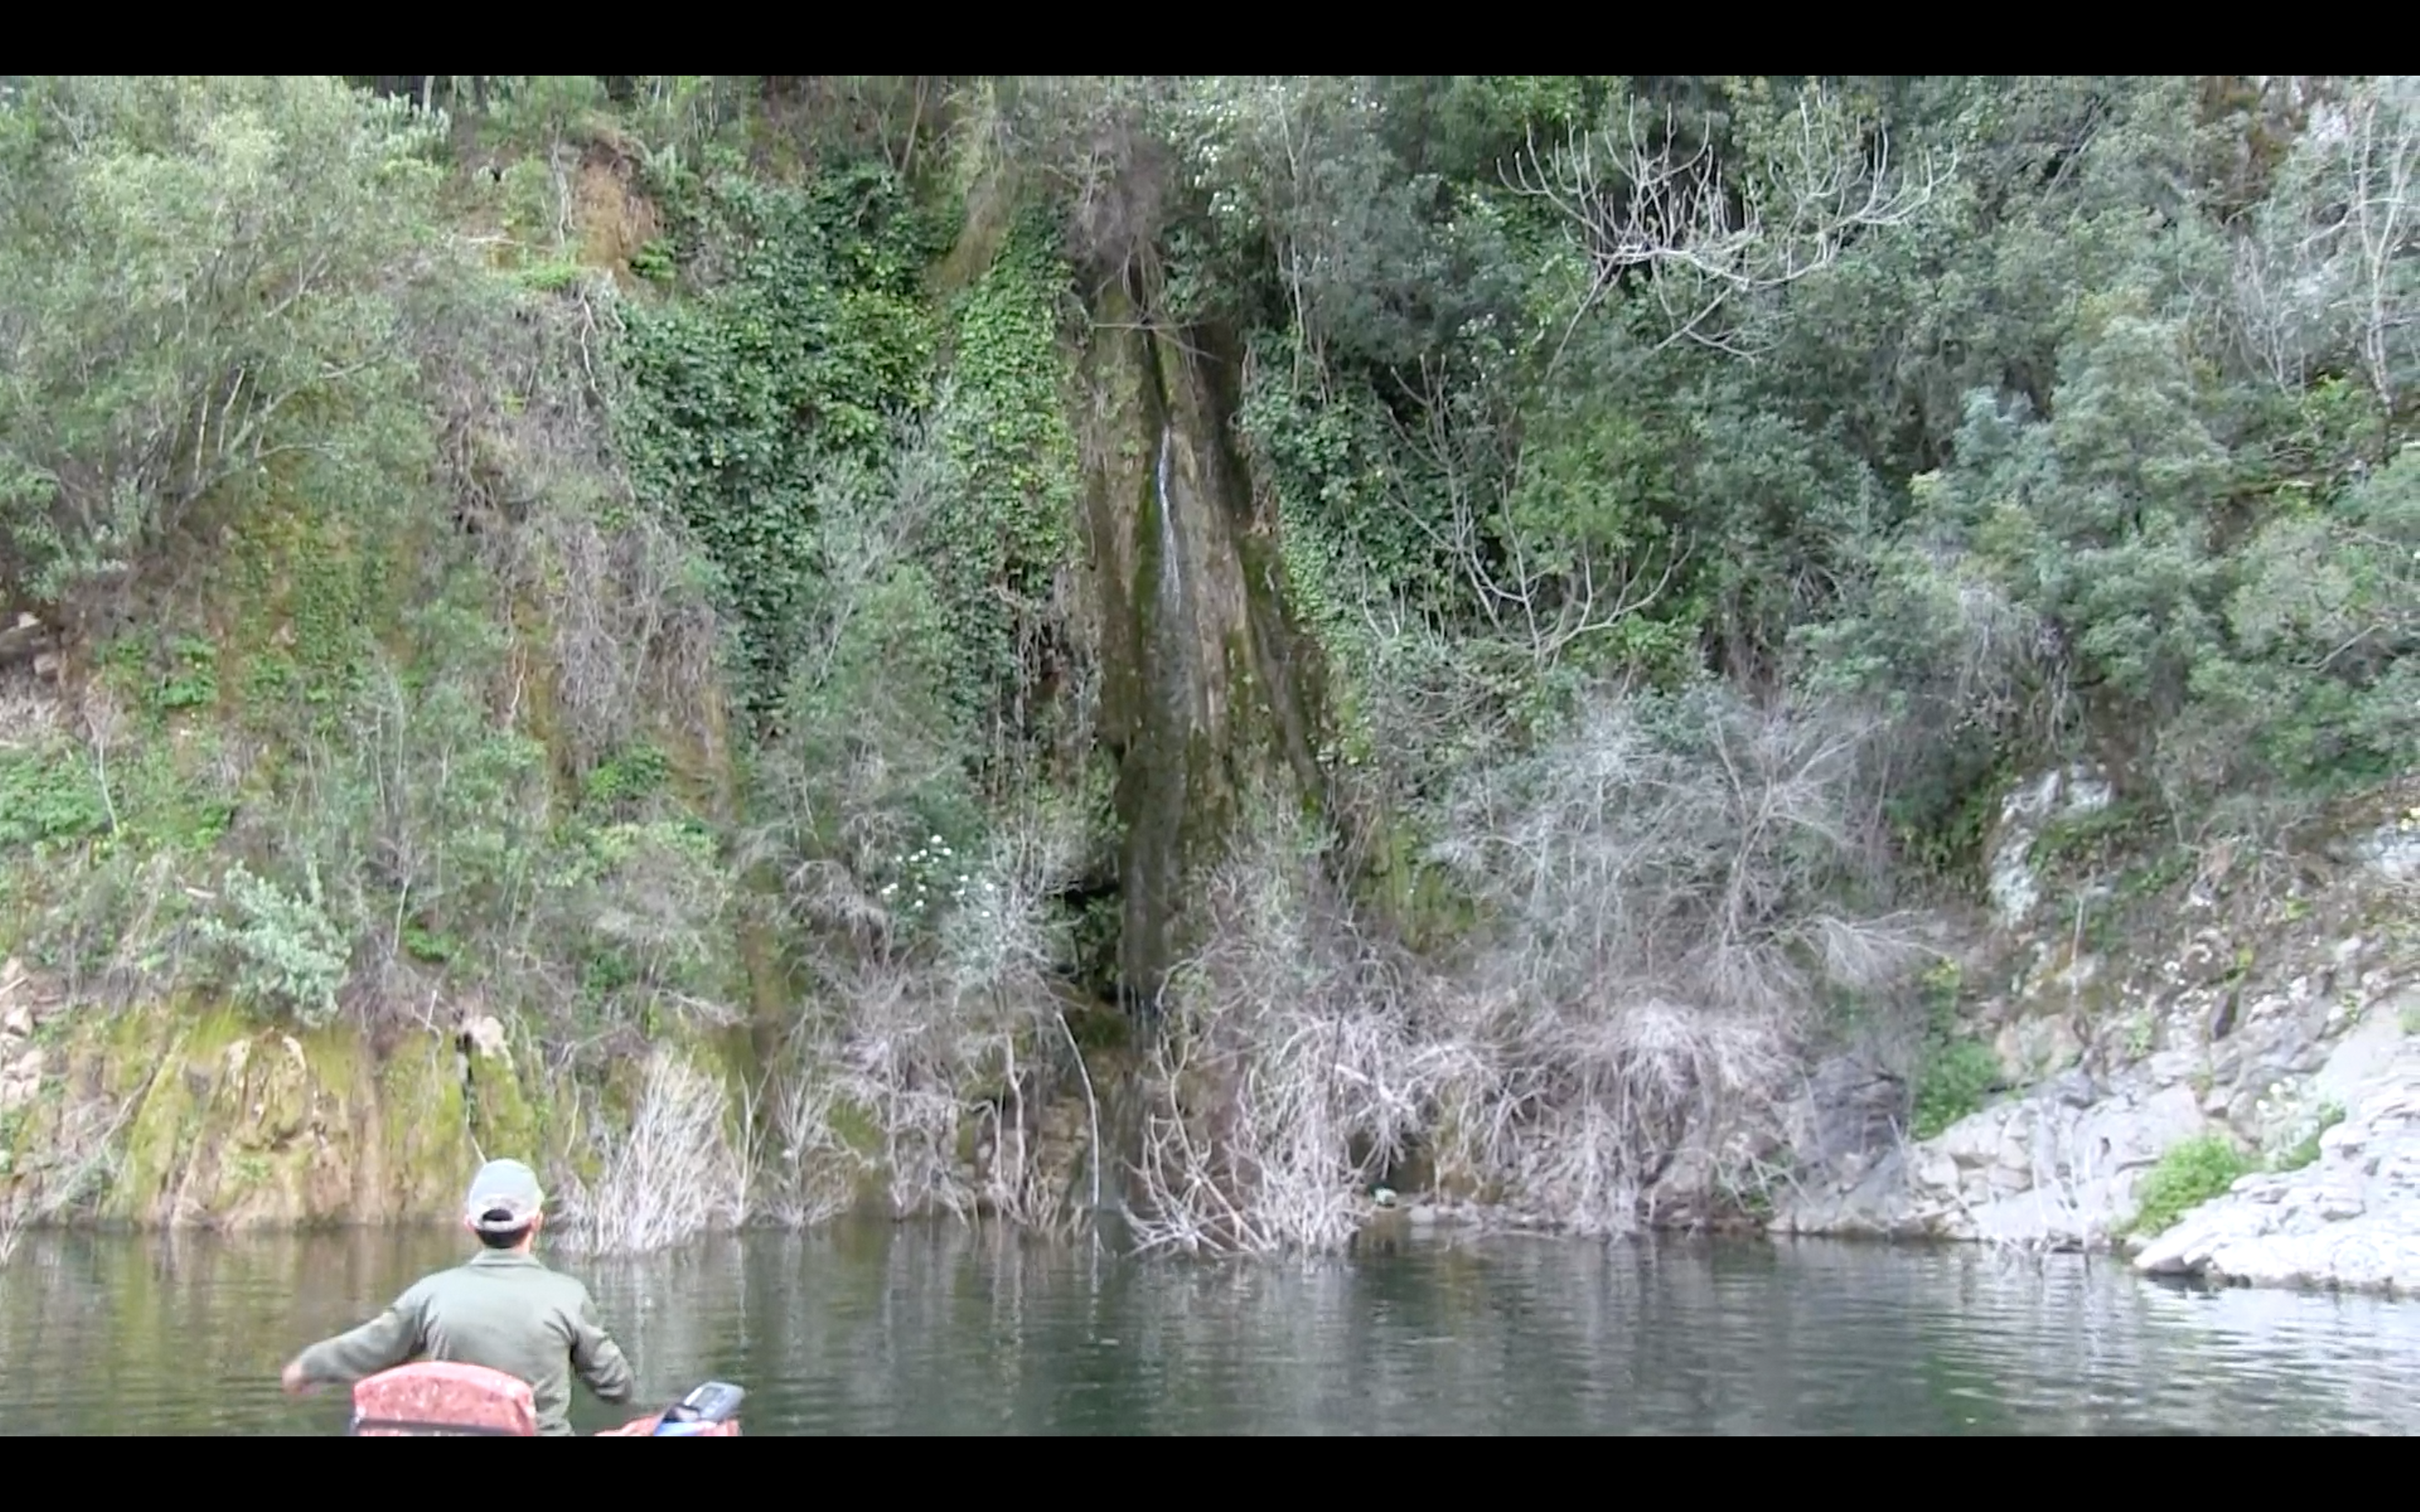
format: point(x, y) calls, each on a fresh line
point(504, 1196)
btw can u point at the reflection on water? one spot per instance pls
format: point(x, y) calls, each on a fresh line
point(927, 1330)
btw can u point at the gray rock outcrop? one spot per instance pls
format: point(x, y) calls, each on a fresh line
point(2350, 1219)
point(2280, 1020)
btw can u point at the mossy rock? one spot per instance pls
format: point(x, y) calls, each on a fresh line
point(230, 1123)
point(242, 1126)
point(504, 1106)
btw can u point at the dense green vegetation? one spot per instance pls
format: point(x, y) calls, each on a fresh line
point(614, 550)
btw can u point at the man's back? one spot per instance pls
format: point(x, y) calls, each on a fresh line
point(502, 1310)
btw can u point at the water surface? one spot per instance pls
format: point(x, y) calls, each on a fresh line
point(916, 1329)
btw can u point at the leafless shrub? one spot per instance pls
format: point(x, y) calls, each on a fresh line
point(946, 1047)
point(2327, 271)
point(673, 1175)
point(815, 1171)
point(948, 1100)
point(1595, 1113)
point(81, 1159)
point(1708, 239)
point(1684, 847)
point(1292, 1073)
point(901, 1065)
point(1664, 879)
point(1664, 882)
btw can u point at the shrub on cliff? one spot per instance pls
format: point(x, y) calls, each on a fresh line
point(197, 278)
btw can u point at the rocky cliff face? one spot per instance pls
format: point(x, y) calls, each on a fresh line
point(1207, 706)
point(2350, 1219)
point(2261, 1031)
point(183, 1113)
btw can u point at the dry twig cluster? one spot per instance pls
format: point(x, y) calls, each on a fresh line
point(1660, 884)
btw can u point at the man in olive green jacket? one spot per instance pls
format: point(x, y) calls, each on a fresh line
point(503, 1309)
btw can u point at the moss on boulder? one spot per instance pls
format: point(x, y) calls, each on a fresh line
point(191, 1115)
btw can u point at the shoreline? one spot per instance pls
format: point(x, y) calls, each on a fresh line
point(1384, 1230)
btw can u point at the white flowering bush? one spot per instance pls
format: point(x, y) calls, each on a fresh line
point(931, 874)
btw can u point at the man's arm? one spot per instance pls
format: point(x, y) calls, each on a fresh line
point(596, 1357)
point(385, 1342)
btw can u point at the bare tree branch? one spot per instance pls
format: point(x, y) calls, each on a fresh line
point(1707, 239)
point(2327, 273)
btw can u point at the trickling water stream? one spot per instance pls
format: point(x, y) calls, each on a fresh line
point(1171, 671)
point(1172, 566)
point(1172, 575)
point(1205, 708)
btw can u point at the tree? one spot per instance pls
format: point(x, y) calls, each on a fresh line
point(196, 286)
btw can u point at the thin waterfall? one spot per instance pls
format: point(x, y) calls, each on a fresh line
point(1171, 571)
point(1174, 672)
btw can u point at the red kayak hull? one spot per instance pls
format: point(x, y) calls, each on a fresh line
point(439, 1398)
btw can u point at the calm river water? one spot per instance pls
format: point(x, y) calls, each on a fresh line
point(920, 1330)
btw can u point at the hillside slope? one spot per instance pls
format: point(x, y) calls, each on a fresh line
point(1190, 648)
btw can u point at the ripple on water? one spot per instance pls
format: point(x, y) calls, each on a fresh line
point(920, 1330)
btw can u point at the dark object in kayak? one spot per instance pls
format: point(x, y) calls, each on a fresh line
point(710, 1412)
point(436, 1398)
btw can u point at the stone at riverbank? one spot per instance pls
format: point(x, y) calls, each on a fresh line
point(2349, 1220)
point(2058, 1170)
point(183, 1113)
point(2062, 1168)
point(2276, 1017)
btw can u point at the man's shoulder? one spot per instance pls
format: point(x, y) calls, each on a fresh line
point(538, 1266)
point(431, 1284)
point(573, 1290)
point(482, 1271)
point(561, 1285)
point(538, 1286)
